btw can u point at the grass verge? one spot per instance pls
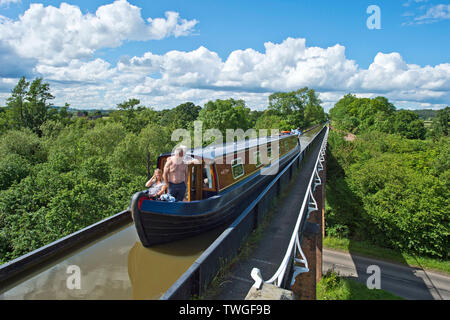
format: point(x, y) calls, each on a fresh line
point(334, 287)
point(369, 250)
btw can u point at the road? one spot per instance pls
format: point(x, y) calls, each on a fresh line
point(408, 282)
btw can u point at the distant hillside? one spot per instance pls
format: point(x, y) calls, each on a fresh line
point(426, 114)
point(90, 111)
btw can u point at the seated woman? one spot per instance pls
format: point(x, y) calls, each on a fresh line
point(156, 185)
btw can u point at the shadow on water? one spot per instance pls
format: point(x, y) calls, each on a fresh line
point(345, 216)
point(152, 271)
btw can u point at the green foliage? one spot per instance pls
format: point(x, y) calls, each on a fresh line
point(299, 108)
point(28, 104)
point(225, 114)
point(440, 126)
point(102, 139)
point(391, 191)
point(138, 153)
point(180, 117)
point(290, 110)
point(271, 121)
point(13, 168)
point(426, 114)
point(359, 115)
point(129, 114)
point(51, 128)
point(407, 124)
point(24, 143)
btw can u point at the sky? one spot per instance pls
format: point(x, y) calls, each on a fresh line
point(96, 54)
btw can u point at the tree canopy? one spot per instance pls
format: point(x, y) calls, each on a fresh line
point(28, 104)
point(388, 185)
point(298, 108)
point(359, 115)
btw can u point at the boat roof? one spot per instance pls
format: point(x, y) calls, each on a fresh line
point(219, 150)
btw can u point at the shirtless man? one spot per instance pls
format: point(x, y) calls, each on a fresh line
point(175, 173)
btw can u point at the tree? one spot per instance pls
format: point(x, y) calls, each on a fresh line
point(254, 116)
point(271, 121)
point(16, 103)
point(407, 124)
point(314, 112)
point(225, 114)
point(24, 143)
point(4, 121)
point(137, 154)
point(363, 114)
point(298, 108)
point(127, 115)
point(440, 126)
point(181, 117)
point(37, 108)
point(13, 168)
point(290, 105)
point(28, 104)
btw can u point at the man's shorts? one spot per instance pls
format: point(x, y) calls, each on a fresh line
point(177, 190)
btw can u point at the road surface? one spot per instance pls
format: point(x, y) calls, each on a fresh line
point(407, 282)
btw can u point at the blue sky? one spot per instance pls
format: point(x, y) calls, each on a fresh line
point(219, 49)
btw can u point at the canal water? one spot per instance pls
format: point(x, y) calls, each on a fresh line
point(117, 266)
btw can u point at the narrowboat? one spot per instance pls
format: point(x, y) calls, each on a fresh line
point(224, 176)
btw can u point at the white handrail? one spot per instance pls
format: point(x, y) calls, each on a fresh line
point(308, 199)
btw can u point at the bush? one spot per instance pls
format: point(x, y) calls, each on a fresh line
point(338, 231)
point(24, 143)
point(13, 168)
point(391, 191)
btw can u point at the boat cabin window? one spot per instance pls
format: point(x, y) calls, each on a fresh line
point(237, 168)
point(286, 146)
point(269, 152)
point(207, 177)
point(257, 158)
point(162, 161)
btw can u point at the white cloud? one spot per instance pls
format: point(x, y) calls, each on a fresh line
point(426, 14)
point(55, 36)
point(389, 72)
point(201, 75)
point(76, 70)
point(283, 66)
point(407, 4)
point(434, 14)
point(7, 2)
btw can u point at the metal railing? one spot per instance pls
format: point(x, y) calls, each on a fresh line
point(310, 203)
